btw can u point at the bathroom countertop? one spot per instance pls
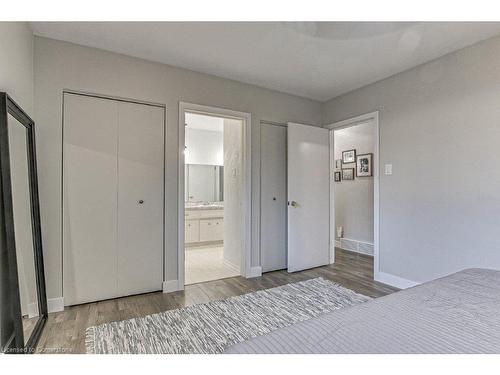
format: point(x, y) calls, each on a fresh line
point(201, 206)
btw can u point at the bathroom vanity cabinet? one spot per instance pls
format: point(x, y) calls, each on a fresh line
point(204, 225)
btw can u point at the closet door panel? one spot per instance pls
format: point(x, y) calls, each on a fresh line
point(89, 199)
point(273, 219)
point(140, 198)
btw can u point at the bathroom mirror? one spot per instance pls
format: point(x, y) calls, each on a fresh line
point(20, 221)
point(204, 183)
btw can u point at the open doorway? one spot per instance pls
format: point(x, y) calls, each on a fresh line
point(354, 189)
point(214, 203)
point(213, 193)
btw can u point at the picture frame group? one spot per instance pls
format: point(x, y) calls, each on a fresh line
point(353, 165)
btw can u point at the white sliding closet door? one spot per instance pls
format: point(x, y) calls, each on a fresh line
point(112, 198)
point(273, 207)
point(89, 199)
point(140, 198)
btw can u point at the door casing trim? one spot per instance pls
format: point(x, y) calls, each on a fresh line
point(246, 260)
point(372, 117)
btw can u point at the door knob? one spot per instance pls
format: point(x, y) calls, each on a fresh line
point(141, 201)
point(293, 204)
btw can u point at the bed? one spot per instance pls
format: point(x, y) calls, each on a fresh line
point(459, 313)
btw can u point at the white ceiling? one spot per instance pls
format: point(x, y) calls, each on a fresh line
point(317, 60)
point(203, 122)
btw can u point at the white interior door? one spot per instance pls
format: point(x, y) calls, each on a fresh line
point(308, 197)
point(273, 207)
point(140, 198)
point(89, 198)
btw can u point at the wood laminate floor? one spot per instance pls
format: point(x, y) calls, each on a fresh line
point(65, 331)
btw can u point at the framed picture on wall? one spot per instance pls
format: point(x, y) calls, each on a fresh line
point(364, 165)
point(348, 174)
point(337, 177)
point(338, 164)
point(349, 156)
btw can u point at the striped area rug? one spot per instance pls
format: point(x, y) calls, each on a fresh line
point(212, 327)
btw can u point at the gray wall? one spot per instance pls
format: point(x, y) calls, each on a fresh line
point(354, 198)
point(16, 78)
point(440, 128)
point(61, 65)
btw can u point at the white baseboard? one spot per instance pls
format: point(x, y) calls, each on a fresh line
point(55, 304)
point(170, 286)
point(395, 281)
point(255, 272)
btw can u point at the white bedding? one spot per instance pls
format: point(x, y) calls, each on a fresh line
point(459, 313)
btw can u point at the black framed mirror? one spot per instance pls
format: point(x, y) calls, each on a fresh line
point(20, 226)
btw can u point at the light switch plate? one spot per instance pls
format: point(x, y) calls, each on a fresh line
point(388, 169)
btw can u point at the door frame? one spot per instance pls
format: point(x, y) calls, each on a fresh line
point(246, 259)
point(372, 117)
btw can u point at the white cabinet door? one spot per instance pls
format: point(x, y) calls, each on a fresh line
point(89, 198)
point(273, 198)
point(309, 197)
point(218, 229)
point(206, 230)
point(192, 231)
point(140, 198)
point(211, 230)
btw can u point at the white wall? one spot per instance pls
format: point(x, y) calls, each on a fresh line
point(16, 78)
point(60, 65)
point(204, 147)
point(440, 128)
point(354, 198)
point(233, 191)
